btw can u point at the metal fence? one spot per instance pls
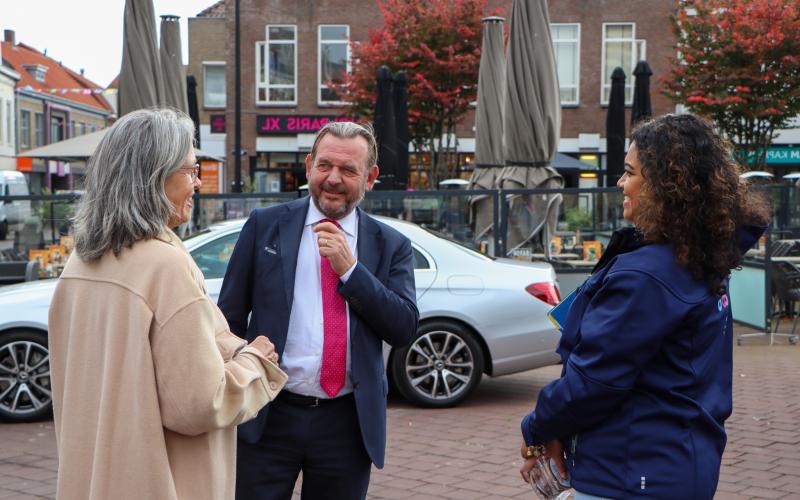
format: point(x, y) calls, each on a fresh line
point(38, 228)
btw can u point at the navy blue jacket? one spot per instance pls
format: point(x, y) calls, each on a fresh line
point(646, 383)
point(380, 292)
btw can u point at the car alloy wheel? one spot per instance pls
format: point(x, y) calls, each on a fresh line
point(441, 366)
point(25, 392)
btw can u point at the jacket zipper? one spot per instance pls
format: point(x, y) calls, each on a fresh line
point(574, 447)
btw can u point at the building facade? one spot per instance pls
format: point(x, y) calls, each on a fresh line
point(53, 103)
point(290, 48)
point(8, 116)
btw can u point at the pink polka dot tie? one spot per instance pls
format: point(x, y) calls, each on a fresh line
point(334, 320)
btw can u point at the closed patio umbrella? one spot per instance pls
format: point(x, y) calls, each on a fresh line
point(141, 84)
point(385, 132)
point(641, 108)
point(615, 128)
point(532, 125)
point(401, 129)
point(488, 127)
point(191, 100)
point(172, 64)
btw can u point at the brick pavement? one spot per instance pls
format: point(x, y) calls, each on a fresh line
point(470, 452)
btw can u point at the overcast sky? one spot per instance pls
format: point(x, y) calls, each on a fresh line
point(86, 33)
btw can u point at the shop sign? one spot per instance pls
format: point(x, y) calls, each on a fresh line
point(210, 176)
point(294, 124)
point(783, 155)
point(24, 164)
point(217, 124)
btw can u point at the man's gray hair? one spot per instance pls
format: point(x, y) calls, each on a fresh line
point(349, 130)
point(125, 200)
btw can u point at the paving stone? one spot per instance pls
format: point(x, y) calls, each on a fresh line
point(472, 451)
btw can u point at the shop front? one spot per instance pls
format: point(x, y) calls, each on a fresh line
point(282, 143)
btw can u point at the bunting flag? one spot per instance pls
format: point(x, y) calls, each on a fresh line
point(77, 91)
point(80, 90)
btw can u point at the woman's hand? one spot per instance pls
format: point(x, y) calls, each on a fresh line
point(265, 347)
point(552, 449)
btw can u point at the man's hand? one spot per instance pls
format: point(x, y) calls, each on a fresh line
point(333, 245)
point(552, 449)
point(265, 347)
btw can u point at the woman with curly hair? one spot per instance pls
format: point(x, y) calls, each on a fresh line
point(647, 345)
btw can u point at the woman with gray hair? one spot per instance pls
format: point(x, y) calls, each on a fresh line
point(148, 381)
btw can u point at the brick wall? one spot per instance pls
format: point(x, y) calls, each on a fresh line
point(588, 116)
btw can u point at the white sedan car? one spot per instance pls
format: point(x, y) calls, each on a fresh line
point(477, 315)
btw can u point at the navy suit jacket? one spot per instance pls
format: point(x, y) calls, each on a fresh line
point(259, 283)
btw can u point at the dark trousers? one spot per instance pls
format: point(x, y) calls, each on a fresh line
point(324, 442)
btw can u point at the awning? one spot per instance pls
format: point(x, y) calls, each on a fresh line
point(81, 148)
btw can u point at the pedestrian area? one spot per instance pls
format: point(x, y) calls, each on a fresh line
point(472, 452)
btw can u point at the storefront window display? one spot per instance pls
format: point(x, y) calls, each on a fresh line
point(278, 172)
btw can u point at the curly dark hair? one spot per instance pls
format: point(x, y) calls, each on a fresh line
point(692, 196)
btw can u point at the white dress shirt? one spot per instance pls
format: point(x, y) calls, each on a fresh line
point(302, 355)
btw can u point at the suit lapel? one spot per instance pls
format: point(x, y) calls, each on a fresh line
point(369, 242)
point(290, 228)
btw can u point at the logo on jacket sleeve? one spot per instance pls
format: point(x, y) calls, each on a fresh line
point(723, 303)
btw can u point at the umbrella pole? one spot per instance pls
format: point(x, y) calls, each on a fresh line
point(237, 120)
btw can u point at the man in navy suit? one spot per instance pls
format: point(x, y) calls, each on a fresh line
point(327, 284)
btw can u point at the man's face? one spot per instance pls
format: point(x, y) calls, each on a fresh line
point(338, 176)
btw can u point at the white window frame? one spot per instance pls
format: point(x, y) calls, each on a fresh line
point(24, 130)
point(320, 41)
point(38, 129)
point(2, 121)
point(215, 64)
point(628, 72)
point(577, 86)
point(266, 85)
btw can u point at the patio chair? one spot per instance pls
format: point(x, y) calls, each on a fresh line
point(786, 295)
point(785, 280)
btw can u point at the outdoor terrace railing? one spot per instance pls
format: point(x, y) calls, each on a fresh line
point(39, 228)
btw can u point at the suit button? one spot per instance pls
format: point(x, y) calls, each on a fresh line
point(273, 386)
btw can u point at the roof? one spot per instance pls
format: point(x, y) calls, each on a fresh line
point(216, 10)
point(59, 81)
point(80, 148)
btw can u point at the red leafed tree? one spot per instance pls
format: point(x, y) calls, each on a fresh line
point(739, 63)
point(437, 44)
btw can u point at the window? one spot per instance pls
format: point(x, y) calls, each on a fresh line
point(39, 130)
point(334, 61)
point(566, 46)
point(276, 66)
point(38, 71)
point(2, 123)
point(420, 262)
point(619, 49)
point(24, 129)
point(73, 130)
point(9, 124)
point(214, 84)
point(212, 259)
point(56, 129)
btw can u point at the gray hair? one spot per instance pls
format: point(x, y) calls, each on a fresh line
point(349, 130)
point(125, 200)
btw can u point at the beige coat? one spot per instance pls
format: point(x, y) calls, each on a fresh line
point(148, 382)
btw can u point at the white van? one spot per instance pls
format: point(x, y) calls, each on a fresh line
point(15, 212)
